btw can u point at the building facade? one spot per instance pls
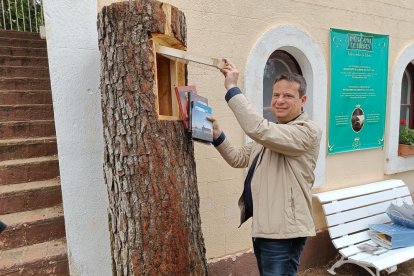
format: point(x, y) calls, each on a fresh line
point(261, 38)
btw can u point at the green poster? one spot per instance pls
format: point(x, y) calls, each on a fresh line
point(359, 67)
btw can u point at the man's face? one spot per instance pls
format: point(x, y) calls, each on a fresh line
point(286, 102)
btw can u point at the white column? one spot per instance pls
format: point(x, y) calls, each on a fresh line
point(72, 44)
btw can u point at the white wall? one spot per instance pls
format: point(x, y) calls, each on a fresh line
point(72, 45)
point(235, 29)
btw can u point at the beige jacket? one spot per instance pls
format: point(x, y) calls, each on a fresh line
point(283, 178)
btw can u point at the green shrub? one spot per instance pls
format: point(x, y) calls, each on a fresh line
point(21, 15)
point(407, 136)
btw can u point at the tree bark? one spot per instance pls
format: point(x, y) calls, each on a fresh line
point(149, 166)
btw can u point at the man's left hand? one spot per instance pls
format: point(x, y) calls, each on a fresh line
point(230, 73)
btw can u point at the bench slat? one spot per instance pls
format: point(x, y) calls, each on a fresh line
point(349, 251)
point(356, 226)
point(353, 249)
point(388, 259)
point(359, 190)
point(351, 239)
point(363, 212)
point(356, 202)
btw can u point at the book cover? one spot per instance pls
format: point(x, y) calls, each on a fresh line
point(392, 235)
point(201, 128)
point(193, 97)
point(182, 93)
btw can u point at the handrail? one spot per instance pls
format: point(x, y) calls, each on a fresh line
point(21, 15)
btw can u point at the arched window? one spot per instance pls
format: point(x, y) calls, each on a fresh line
point(400, 106)
point(289, 47)
point(407, 96)
point(279, 62)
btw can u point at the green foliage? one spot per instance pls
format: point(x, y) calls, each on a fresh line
point(21, 15)
point(407, 136)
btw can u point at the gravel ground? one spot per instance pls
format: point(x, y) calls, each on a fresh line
point(404, 269)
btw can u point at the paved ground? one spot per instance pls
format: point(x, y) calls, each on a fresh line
point(405, 269)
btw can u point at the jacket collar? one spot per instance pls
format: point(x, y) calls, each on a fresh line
point(301, 117)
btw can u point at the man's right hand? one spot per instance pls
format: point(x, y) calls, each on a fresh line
point(216, 128)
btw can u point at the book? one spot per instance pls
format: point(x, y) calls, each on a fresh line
point(182, 97)
point(201, 128)
point(391, 235)
point(371, 248)
point(193, 97)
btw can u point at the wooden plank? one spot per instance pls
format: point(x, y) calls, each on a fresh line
point(167, 118)
point(184, 56)
point(388, 259)
point(350, 239)
point(164, 86)
point(174, 83)
point(180, 74)
point(356, 202)
point(155, 90)
point(353, 249)
point(359, 190)
point(356, 226)
point(363, 212)
point(349, 251)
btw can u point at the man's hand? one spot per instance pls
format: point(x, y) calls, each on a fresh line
point(216, 128)
point(230, 73)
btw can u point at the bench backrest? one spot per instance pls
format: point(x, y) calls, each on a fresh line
point(350, 211)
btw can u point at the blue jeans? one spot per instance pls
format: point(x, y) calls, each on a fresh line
point(277, 257)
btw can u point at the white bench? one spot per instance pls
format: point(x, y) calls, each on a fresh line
point(349, 211)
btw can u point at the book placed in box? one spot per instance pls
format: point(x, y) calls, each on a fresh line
point(182, 93)
point(391, 235)
point(201, 127)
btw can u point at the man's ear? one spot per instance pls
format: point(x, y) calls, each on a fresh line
point(303, 100)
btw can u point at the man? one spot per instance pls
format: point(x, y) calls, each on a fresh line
point(281, 160)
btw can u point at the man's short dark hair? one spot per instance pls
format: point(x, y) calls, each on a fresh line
point(299, 79)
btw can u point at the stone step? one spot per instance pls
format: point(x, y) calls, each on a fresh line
point(24, 84)
point(21, 129)
point(22, 51)
point(23, 61)
point(26, 112)
point(48, 258)
point(24, 72)
point(16, 97)
point(29, 196)
point(27, 148)
point(16, 34)
point(27, 170)
point(31, 227)
point(19, 42)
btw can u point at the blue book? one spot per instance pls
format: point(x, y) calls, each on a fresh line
point(392, 235)
point(201, 128)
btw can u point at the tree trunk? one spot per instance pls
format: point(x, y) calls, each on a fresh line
point(149, 164)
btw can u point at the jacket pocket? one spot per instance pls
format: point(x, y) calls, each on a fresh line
point(291, 205)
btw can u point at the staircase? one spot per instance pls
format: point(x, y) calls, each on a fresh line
point(30, 195)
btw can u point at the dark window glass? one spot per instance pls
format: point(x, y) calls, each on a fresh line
point(407, 92)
